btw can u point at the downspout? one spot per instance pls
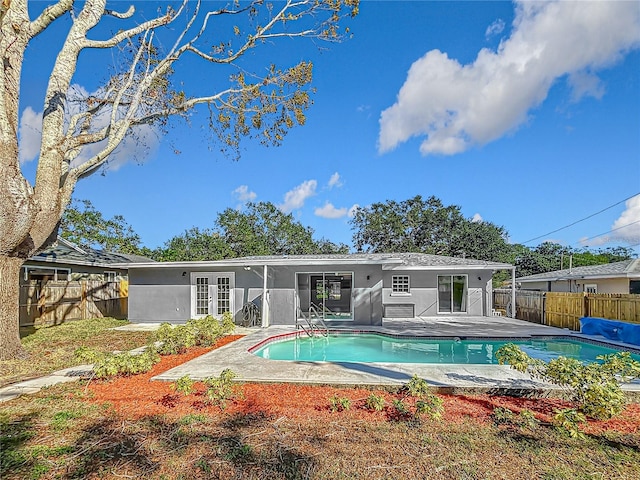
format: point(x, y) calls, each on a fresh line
point(513, 292)
point(265, 300)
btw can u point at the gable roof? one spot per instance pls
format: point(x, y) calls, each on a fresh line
point(625, 269)
point(66, 252)
point(389, 261)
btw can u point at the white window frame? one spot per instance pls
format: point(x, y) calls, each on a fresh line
point(110, 276)
point(466, 299)
point(56, 271)
point(212, 306)
point(591, 288)
point(400, 285)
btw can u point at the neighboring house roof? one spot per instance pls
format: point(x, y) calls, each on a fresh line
point(66, 252)
point(624, 269)
point(389, 261)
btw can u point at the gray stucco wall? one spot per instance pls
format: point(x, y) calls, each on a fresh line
point(424, 291)
point(164, 294)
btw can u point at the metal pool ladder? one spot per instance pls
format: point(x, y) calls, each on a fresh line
point(312, 324)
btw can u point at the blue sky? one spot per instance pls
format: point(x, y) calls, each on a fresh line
point(526, 115)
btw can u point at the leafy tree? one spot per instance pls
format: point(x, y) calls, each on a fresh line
point(263, 229)
point(141, 88)
point(426, 226)
point(194, 244)
point(550, 256)
point(85, 226)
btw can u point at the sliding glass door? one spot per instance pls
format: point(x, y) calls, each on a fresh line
point(328, 293)
point(452, 293)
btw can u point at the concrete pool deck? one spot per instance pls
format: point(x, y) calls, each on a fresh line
point(449, 378)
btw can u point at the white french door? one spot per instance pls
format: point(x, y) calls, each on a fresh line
point(212, 293)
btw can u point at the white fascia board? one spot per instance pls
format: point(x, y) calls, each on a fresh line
point(446, 267)
point(76, 262)
point(259, 263)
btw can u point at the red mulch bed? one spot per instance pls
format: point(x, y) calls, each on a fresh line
point(136, 396)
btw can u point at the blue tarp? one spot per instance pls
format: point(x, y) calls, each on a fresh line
point(611, 329)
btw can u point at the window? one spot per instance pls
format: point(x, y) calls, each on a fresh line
point(591, 288)
point(452, 293)
point(202, 296)
point(109, 276)
point(400, 284)
point(224, 295)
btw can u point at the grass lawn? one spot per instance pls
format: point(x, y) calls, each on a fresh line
point(51, 348)
point(131, 427)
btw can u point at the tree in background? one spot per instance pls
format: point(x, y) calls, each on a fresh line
point(550, 256)
point(260, 229)
point(263, 229)
point(85, 226)
point(426, 226)
point(193, 245)
point(139, 90)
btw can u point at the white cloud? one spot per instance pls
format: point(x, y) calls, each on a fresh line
point(243, 194)
point(352, 210)
point(141, 142)
point(329, 211)
point(295, 198)
point(30, 132)
point(496, 28)
point(477, 218)
point(334, 181)
point(626, 229)
point(458, 106)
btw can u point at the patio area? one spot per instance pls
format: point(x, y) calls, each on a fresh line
point(446, 378)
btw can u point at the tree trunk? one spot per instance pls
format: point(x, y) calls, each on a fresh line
point(10, 346)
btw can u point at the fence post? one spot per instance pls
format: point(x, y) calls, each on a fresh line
point(586, 309)
point(83, 298)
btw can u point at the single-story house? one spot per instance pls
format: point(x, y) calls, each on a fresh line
point(50, 288)
point(356, 289)
point(64, 260)
point(618, 277)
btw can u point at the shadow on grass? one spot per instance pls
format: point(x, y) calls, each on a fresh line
point(236, 446)
point(13, 436)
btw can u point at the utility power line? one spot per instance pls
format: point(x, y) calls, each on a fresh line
point(613, 230)
point(583, 219)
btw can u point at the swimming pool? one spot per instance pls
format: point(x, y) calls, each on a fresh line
point(378, 348)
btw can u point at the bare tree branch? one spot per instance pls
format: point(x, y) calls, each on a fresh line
point(50, 14)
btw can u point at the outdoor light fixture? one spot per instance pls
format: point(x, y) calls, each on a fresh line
point(246, 267)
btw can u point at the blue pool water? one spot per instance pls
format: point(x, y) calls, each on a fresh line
point(372, 348)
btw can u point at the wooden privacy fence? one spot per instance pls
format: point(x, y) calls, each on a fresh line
point(564, 310)
point(54, 302)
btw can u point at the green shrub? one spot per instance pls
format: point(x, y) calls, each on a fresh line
point(430, 405)
point(502, 416)
point(339, 404)
point(417, 387)
point(208, 330)
point(174, 339)
point(221, 389)
point(401, 408)
point(569, 421)
point(595, 387)
point(123, 363)
point(183, 385)
point(375, 402)
point(525, 420)
point(199, 331)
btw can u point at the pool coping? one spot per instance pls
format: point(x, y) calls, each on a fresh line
point(445, 378)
